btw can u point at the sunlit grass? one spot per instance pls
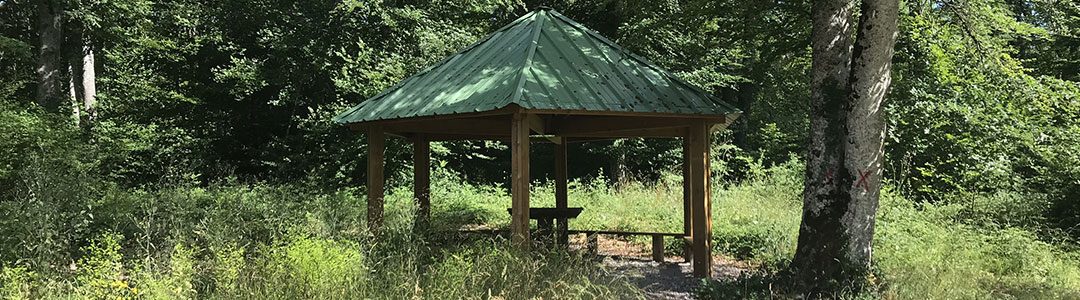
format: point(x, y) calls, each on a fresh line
point(235, 241)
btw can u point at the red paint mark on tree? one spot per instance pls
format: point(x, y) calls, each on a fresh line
point(864, 181)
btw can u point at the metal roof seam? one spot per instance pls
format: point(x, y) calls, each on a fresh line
point(447, 59)
point(538, 27)
point(643, 60)
point(478, 66)
point(576, 72)
point(613, 68)
point(603, 86)
point(471, 66)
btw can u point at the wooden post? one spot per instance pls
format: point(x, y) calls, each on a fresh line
point(688, 237)
point(519, 177)
point(422, 178)
point(699, 199)
point(658, 248)
point(375, 179)
point(560, 191)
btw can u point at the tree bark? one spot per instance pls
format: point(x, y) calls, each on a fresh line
point(843, 171)
point(89, 84)
point(73, 97)
point(50, 90)
point(744, 95)
point(867, 86)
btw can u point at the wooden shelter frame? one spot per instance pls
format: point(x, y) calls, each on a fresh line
point(520, 127)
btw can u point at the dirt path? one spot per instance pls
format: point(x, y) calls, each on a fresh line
point(671, 279)
point(668, 280)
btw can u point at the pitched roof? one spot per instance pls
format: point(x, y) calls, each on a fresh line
point(544, 61)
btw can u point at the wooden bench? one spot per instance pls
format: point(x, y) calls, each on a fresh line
point(546, 216)
point(593, 246)
point(657, 241)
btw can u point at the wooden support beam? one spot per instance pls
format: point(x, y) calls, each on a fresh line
point(506, 112)
point(422, 178)
point(375, 180)
point(465, 137)
point(700, 205)
point(588, 139)
point(519, 177)
point(687, 213)
point(607, 125)
point(572, 112)
point(472, 126)
point(660, 132)
point(561, 191)
point(536, 124)
point(551, 139)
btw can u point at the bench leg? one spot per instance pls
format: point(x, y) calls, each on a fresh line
point(562, 236)
point(592, 243)
point(688, 253)
point(545, 230)
point(658, 248)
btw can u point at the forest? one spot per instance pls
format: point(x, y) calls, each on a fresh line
point(185, 149)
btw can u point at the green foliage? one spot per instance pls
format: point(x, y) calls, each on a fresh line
point(101, 272)
point(213, 155)
point(759, 219)
point(971, 123)
point(232, 240)
point(926, 252)
point(920, 250)
point(17, 282)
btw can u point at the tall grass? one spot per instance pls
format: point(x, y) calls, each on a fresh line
point(232, 240)
point(239, 241)
point(921, 251)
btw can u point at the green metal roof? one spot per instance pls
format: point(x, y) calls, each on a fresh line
point(542, 60)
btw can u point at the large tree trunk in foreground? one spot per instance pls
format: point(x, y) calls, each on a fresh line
point(843, 174)
point(50, 90)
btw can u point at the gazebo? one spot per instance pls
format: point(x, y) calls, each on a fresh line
point(544, 78)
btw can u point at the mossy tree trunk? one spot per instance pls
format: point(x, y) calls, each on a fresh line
point(843, 174)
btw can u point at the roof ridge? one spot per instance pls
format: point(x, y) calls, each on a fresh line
point(339, 118)
point(644, 61)
point(538, 27)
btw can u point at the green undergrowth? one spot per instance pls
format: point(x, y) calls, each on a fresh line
point(233, 240)
point(921, 250)
point(286, 242)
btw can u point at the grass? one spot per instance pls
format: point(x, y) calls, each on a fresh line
point(231, 240)
point(287, 242)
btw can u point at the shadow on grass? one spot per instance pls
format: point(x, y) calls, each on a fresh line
point(457, 214)
point(768, 283)
point(759, 284)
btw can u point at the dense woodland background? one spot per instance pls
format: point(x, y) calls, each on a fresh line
point(983, 115)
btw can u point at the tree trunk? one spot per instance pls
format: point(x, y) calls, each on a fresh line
point(89, 84)
point(50, 90)
point(744, 95)
point(819, 233)
point(843, 174)
point(865, 151)
point(73, 97)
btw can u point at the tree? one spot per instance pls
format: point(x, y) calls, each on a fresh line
point(844, 167)
point(89, 84)
point(50, 58)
